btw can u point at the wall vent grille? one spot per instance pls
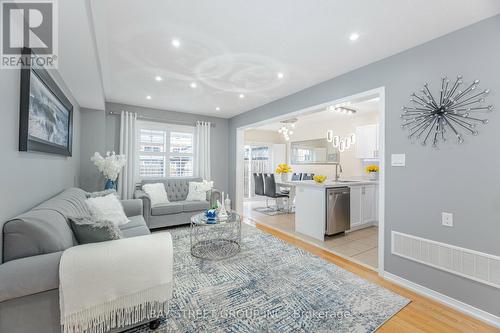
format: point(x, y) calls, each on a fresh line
point(474, 265)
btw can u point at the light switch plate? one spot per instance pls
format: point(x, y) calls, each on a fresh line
point(447, 219)
point(398, 160)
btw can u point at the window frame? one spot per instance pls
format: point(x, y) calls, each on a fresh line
point(168, 129)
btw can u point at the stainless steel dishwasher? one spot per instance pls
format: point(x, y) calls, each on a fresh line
point(338, 210)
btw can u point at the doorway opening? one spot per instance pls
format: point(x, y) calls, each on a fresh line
point(358, 119)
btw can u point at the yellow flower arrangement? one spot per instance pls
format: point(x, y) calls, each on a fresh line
point(319, 178)
point(372, 168)
point(283, 168)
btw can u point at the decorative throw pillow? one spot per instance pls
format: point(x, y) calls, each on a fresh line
point(87, 230)
point(107, 208)
point(157, 193)
point(198, 190)
point(100, 193)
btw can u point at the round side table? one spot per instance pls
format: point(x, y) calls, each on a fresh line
point(217, 239)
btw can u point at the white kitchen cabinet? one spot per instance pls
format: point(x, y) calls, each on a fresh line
point(355, 205)
point(368, 204)
point(364, 201)
point(279, 154)
point(367, 145)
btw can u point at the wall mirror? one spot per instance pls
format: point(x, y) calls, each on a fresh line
point(318, 151)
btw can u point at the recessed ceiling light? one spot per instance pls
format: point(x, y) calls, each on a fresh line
point(280, 75)
point(217, 109)
point(242, 96)
point(176, 42)
point(158, 78)
point(148, 97)
point(354, 36)
point(193, 85)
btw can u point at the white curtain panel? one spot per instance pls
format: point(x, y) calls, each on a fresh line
point(202, 162)
point(126, 180)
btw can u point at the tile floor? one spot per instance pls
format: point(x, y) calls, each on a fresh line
point(360, 246)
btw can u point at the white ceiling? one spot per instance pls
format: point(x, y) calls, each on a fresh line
point(322, 115)
point(230, 47)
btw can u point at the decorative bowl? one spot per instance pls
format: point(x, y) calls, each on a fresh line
point(319, 179)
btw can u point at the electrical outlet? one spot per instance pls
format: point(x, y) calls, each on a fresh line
point(447, 219)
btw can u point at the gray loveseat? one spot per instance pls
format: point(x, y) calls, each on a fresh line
point(178, 211)
point(33, 243)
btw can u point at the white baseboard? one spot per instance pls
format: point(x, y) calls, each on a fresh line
point(363, 226)
point(446, 300)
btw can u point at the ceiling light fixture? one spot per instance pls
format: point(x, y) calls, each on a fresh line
point(342, 109)
point(287, 128)
point(341, 143)
point(280, 75)
point(158, 78)
point(193, 85)
point(354, 36)
point(217, 109)
point(176, 42)
point(148, 97)
point(242, 96)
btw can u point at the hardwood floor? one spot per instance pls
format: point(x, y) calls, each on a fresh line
point(421, 315)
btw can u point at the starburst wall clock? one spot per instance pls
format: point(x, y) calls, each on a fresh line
point(451, 113)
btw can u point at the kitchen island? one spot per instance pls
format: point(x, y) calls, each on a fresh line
point(311, 202)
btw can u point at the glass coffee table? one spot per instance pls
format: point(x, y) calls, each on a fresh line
point(216, 239)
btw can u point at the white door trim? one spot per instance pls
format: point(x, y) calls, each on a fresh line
point(380, 92)
point(240, 171)
point(382, 183)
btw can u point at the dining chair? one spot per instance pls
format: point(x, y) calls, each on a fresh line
point(259, 188)
point(270, 190)
point(307, 177)
point(296, 176)
point(258, 179)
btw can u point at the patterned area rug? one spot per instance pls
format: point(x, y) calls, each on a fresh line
point(270, 286)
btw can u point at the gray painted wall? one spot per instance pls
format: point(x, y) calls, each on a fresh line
point(102, 133)
point(29, 178)
point(458, 179)
point(93, 139)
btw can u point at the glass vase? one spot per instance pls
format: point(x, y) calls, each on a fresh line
point(110, 184)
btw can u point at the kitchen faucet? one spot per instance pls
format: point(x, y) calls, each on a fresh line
point(337, 173)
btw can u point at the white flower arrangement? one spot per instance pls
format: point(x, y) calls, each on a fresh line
point(111, 165)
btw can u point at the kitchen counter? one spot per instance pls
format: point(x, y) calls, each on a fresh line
point(330, 184)
point(311, 205)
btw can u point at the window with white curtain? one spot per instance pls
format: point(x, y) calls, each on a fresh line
point(164, 150)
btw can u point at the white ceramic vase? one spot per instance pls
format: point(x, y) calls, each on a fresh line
point(284, 177)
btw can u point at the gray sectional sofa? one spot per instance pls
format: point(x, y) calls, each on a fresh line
point(178, 211)
point(33, 243)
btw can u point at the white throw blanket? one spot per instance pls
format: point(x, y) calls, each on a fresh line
point(115, 283)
